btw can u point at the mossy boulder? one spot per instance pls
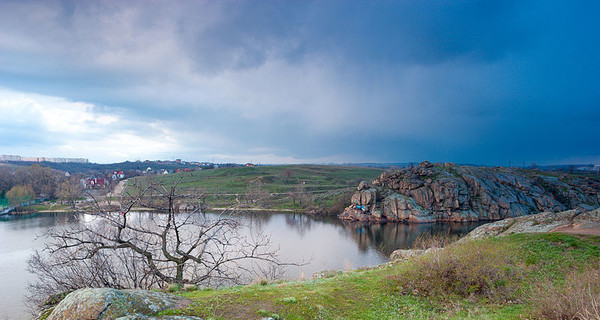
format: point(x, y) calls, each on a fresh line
point(106, 303)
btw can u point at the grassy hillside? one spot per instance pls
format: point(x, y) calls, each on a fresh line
point(289, 186)
point(527, 276)
point(275, 179)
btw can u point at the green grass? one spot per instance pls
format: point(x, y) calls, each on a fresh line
point(220, 186)
point(48, 206)
point(374, 293)
point(274, 178)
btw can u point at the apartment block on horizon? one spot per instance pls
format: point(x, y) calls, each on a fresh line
point(6, 157)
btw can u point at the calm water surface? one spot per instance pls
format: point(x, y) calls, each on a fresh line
point(328, 244)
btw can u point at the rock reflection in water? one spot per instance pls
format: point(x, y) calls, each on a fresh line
point(384, 238)
point(387, 237)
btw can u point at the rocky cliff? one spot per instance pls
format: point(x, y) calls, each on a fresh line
point(447, 192)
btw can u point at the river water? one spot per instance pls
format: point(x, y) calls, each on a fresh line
point(327, 243)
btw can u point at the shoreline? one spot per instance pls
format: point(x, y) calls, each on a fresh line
point(255, 210)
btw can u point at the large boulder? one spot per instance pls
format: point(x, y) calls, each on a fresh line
point(405, 254)
point(353, 213)
point(143, 317)
point(363, 185)
point(106, 303)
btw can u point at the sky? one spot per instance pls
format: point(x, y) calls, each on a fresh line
point(483, 82)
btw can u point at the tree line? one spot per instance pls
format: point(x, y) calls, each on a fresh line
point(22, 184)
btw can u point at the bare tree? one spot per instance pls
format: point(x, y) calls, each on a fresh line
point(301, 196)
point(288, 174)
point(128, 249)
point(70, 190)
point(256, 194)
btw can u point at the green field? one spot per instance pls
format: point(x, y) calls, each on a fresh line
point(511, 286)
point(275, 179)
point(322, 185)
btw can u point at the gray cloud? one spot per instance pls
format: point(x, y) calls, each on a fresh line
point(467, 81)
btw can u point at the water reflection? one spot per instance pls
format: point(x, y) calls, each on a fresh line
point(18, 239)
point(333, 244)
point(391, 236)
point(385, 237)
point(328, 243)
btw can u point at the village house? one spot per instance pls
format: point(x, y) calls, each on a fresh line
point(118, 175)
point(94, 183)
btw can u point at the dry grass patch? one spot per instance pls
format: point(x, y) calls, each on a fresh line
point(475, 269)
point(425, 241)
point(578, 298)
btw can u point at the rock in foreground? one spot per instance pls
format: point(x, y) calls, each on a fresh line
point(106, 303)
point(451, 193)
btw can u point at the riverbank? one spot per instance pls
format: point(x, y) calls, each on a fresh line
point(31, 211)
point(381, 293)
point(512, 269)
point(520, 266)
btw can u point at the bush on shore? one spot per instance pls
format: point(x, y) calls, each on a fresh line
point(475, 270)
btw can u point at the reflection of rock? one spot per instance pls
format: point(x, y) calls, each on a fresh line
point(447, 192)
point(105, 303)
point(387, 237)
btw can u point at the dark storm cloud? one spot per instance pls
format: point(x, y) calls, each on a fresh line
point(404, 32)
point(463, 81)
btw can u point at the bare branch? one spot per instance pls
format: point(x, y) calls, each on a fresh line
point(130, 249)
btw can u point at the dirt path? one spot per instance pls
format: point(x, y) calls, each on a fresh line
point(576, 230)
point(118, 189)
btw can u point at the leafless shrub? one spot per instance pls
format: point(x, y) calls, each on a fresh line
point(255, 194)
point(471, 270)
point(426, 240)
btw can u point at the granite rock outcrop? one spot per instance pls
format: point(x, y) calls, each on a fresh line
point(451, 193)
point(570, 221)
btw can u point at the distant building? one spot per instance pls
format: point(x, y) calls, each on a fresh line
point(68, 160)
point(94, 183)
point(117, 175)
point(250, 165)
point(6, 157)
point(33, 159)
point(42, 159)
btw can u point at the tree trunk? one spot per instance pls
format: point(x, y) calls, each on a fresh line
point(179, 276)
